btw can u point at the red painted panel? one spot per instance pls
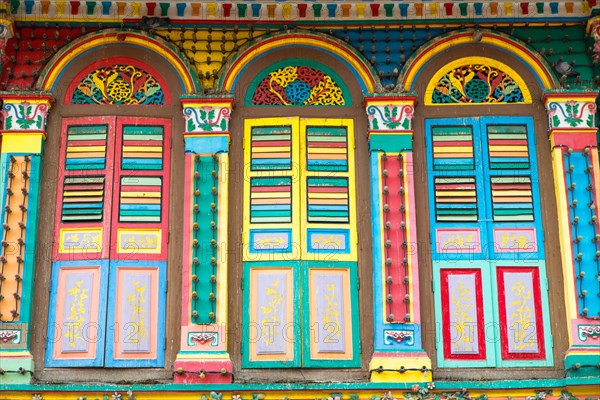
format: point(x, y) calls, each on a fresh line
point(470, 313)
point(510, 323)
point(396, 257)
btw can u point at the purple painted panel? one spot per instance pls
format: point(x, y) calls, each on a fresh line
point(329, 296)
point(271, 316)
point(520, 312)
point(463, 314)
point(76, 312)
point(135, 313)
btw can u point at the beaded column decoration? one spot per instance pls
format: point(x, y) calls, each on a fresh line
point(573, 127)
point(23, 135)
point(398, 354)
point(203, 357)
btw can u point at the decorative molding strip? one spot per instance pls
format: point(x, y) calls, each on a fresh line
point(295, 10)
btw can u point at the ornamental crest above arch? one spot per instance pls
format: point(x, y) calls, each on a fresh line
point(118, 81)
point(476, 80)
point(298, 82)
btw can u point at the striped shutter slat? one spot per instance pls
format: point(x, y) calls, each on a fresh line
point(140, 199)
point(271, 200)
point(453, 148)
point(508, 147)
point(83, 199)
point(328, 200)
point(455, 199)
point(271, 148)
point(327, 148)
point(142, 148)
point(512, 198)
point(86, 147)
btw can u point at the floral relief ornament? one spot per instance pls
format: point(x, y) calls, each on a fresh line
point(572, 114)
point(206, 119)
point(390, 117)
point(24, 116)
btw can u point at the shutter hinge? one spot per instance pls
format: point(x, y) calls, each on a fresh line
point(165, 343)
point(432, 287)
point(242, 347)
point(359, 347)
point(167, 286)
point(169, 237)
point(358, 283)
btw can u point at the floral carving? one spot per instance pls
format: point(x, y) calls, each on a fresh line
point(572, 114)
point(298, 86)
point(206, 119)
point(24, 116)
point(476, 83)
point(118, 84)
point(390, 117)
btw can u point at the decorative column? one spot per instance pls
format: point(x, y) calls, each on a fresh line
point(203, 357)
point(23, 134)
point(398, 353)
point(573, 128)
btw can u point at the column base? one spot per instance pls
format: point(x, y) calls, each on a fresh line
point(17, 369)
point(203, 368)
point(400, 367)
point(583, 362)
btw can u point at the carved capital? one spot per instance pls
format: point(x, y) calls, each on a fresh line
point(207, 115)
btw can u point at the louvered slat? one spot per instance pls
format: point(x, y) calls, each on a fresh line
point(327, 148)
point(508, 147)
point(328, 200)
point(86, 147)
point(271, 200)
point(271, 148)
point(142, 148)
point(140, 199)
point(455, 199)
point(512, 198)
point(452, 148)
point(83, 199)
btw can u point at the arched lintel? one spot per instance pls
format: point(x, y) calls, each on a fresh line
point(529, 57)
point(60, 61)
point(363, 71)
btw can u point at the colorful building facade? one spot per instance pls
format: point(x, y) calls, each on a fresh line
point(299, 200)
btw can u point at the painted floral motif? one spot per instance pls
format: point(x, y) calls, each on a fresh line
point(298, 86)
point(586, 332)
point(14, 336)
point(203, 338)
point(521, 318)
point(118, 84)
point(476, 83)
point(206, 119)
point(24, 116)
point(571, 114)
point(390, 117)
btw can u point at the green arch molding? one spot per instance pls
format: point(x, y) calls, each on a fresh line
point(527, 55)
point(363, 71)
point(298, 62)
point(82, 46)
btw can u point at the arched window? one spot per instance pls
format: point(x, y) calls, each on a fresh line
point(301, 262)
point(486, 225)
point(110, 147)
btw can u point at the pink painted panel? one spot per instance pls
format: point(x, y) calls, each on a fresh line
point(458, 240)
point(136, 314)
point(515, 240)
point(77, 329)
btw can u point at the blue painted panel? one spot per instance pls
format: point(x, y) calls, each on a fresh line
point(271, 240)
point(54, 330)
point(328, 241)
point(113, 328)
point(207, 145)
